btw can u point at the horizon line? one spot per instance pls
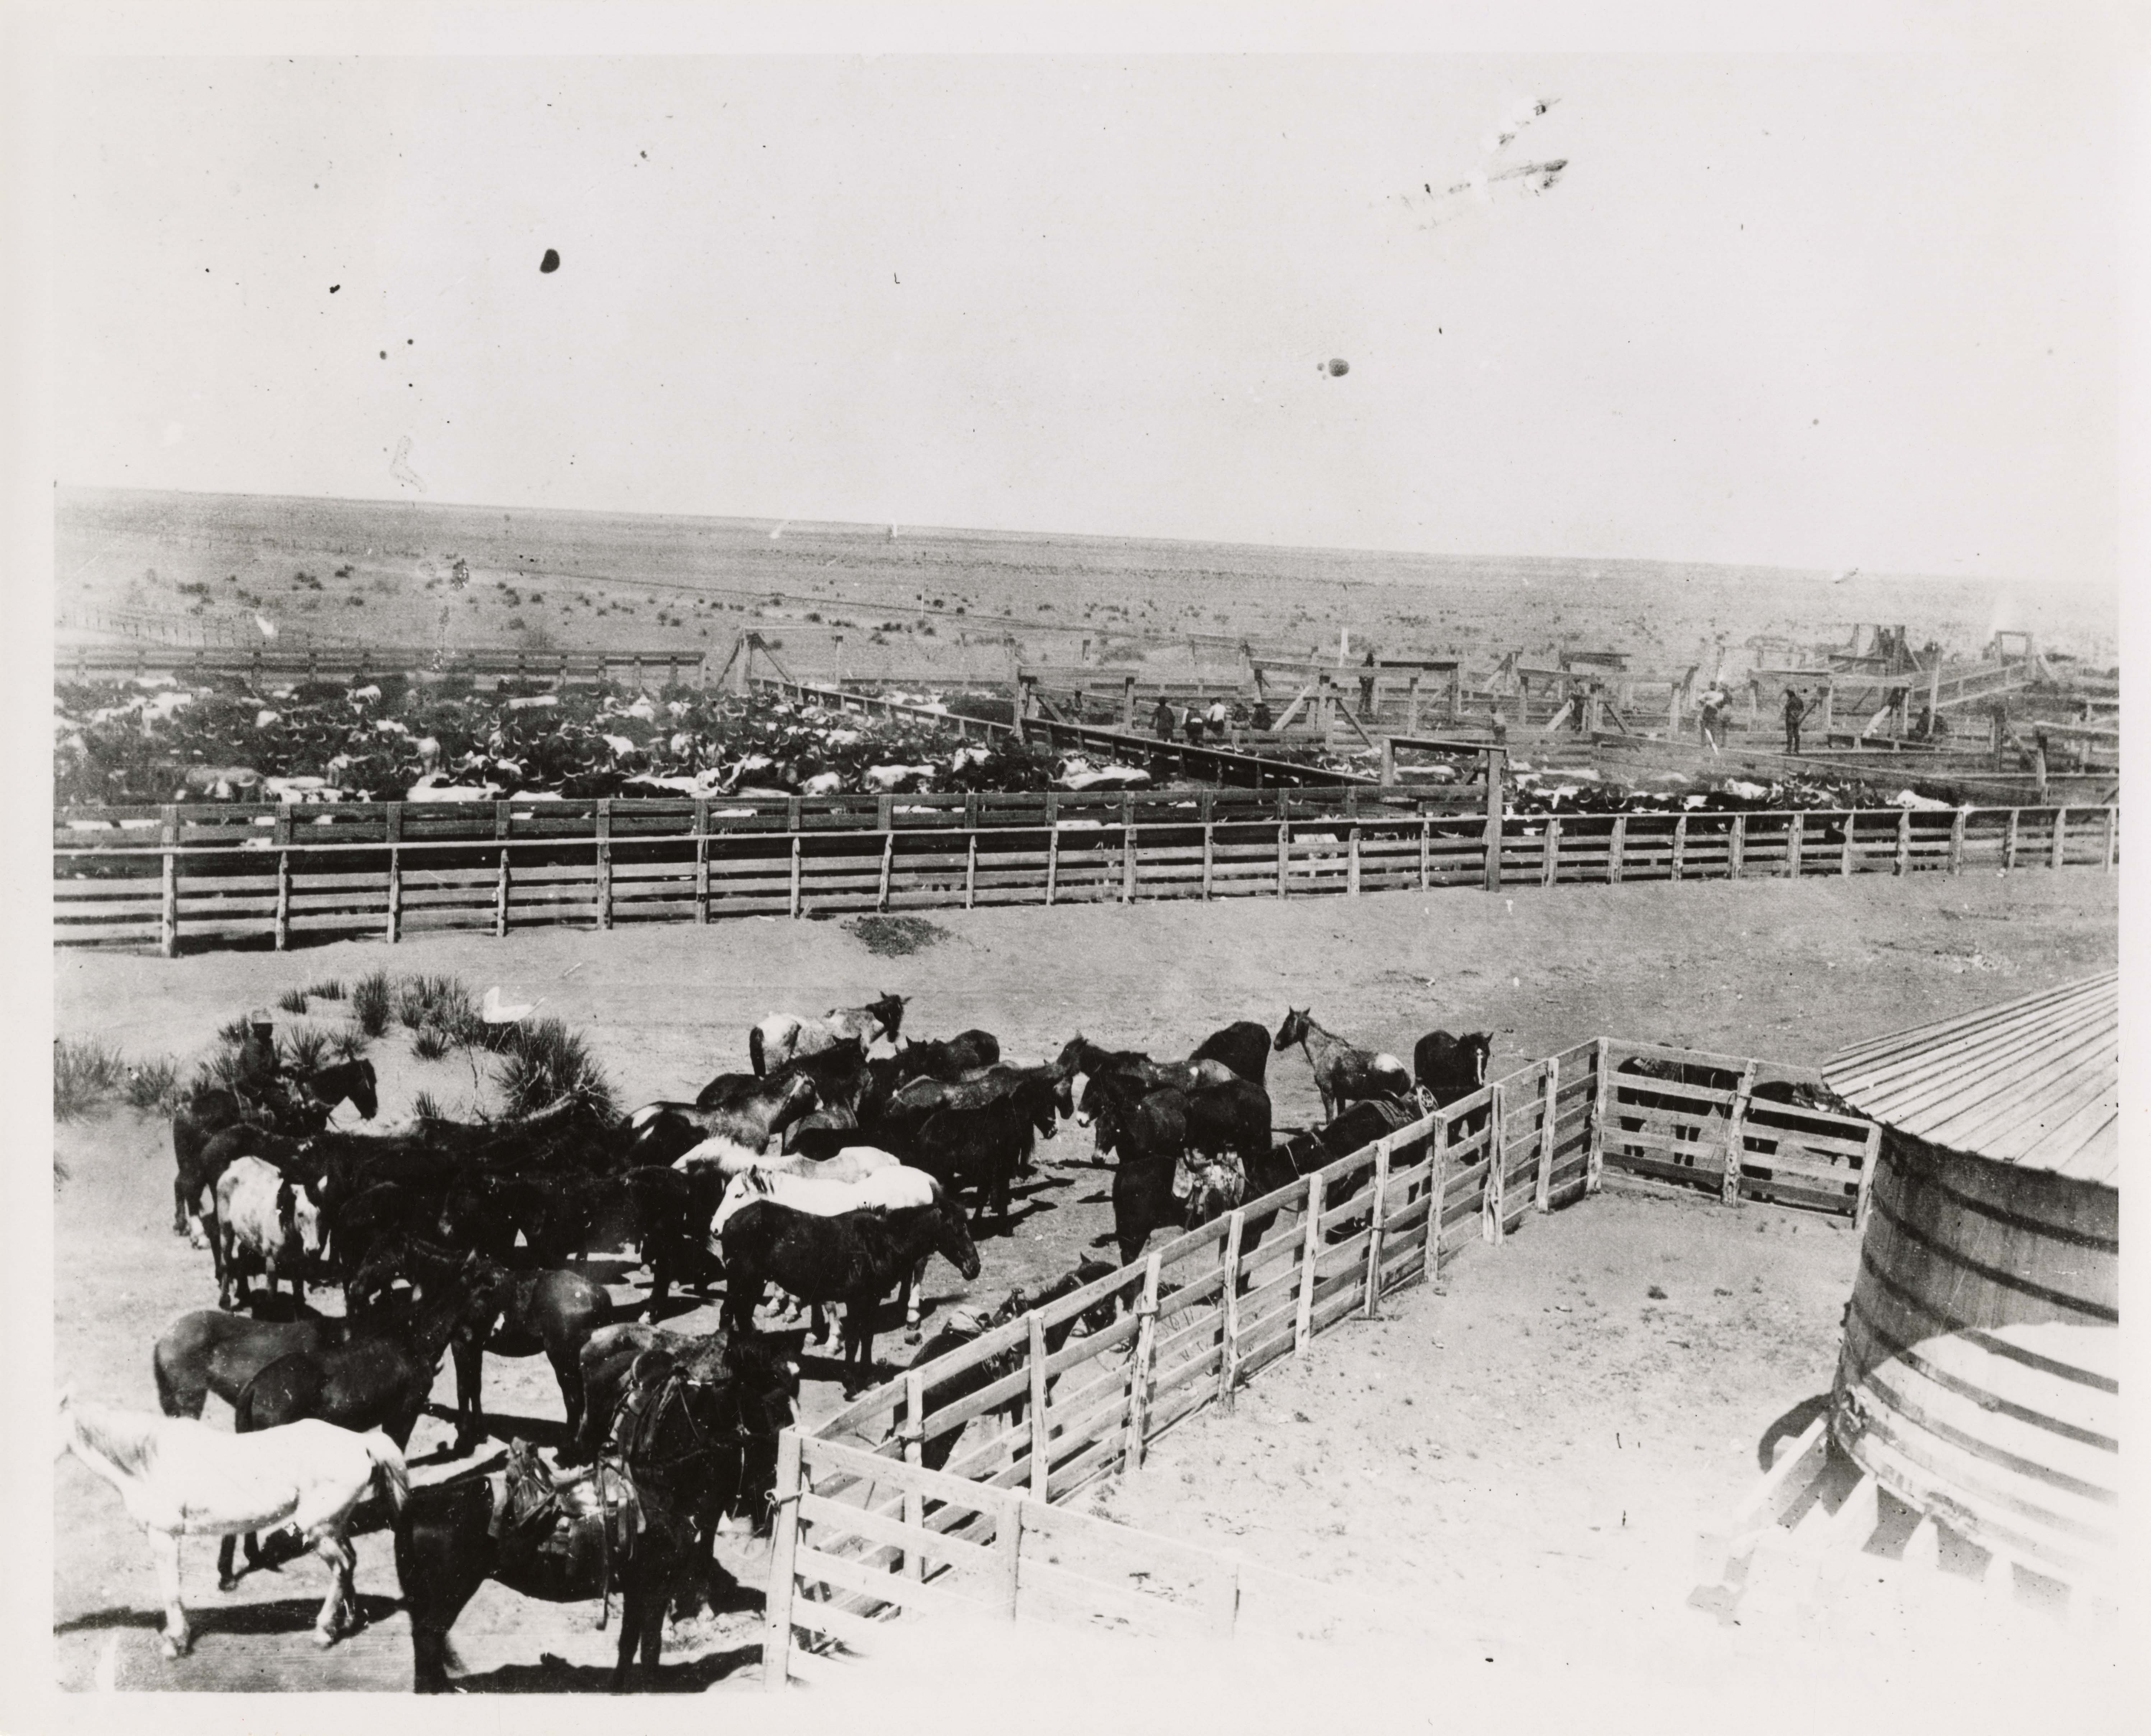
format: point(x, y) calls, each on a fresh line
point(879, 527)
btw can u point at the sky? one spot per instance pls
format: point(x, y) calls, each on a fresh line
point(1814, 312)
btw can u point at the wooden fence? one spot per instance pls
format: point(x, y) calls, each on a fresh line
point(864, 1527)
point(664, 664)
point(232, 870)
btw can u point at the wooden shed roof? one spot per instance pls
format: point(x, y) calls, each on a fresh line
point(2035, 1082)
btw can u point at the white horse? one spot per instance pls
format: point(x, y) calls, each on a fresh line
point(784, 1036)
point(179, 1478)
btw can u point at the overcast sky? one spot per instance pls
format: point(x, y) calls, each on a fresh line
point(1823, 312)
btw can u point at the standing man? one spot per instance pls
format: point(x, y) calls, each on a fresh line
point(1367, 688)
point(1195, 723)
point(1218, 718)
point(1160, 720)
point(1796, 710)
point(1710, 714)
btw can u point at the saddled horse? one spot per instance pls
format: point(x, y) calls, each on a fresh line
point(199, 1154)
point(781, 1036)
point(181, 1478)
point(1343, 1073)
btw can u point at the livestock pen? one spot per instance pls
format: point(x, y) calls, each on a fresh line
point(864, 1527)
point(222, 872)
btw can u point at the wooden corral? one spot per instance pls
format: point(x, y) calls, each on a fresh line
point(663, 666)
point(1193, 1320)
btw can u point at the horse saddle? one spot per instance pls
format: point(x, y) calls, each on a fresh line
point(1209, 1182)
point(578, 1523)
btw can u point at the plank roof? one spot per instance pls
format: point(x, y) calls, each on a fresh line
point(2034, 1082)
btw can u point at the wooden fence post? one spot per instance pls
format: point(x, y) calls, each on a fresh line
point(1497, 762)
point(702, 861)
point(1284, 851)
point(2009, 841)
point(1736, 1127)
point(1131, 1450)
point(1616, 846)
point(1550, 1093)
point(1378, 1212)
point(1229, 1352)
point(1352, 861)
point(604, 861)
point(1904, 863)
point(1957, 843)
point(1795, 844)
point(914, 1453)
point(1868, 1160)
point(283, 839)
point(1425, 850)
point(1549, 865)
point(1602, 1063)
point(1052, 854)
point(1041, 1433)
point(2113, 834)
point(795, 901)
point(395, 829)
point(2061, 832)
point(1127, 851)
point(1310, 1252)
point(783, 1550)
point(1008, 1545)
point(1851, 826)
point(970, 870)
point(1437, 1184)
point(1209, 845)
point(1680, 844)
point(1491, 1209)
point(887, 864)
point(1736, 849)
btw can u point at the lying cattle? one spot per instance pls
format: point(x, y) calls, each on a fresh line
point(268, 1228)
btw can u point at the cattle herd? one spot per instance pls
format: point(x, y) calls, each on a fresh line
point(833, 1167)
point(152, 741)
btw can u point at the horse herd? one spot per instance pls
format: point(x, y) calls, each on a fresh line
point(834, 1167)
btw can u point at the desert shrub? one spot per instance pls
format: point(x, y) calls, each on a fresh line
point(347, 1044)
point(154, 1085)
point(331, 989)
point(542, 1061)
point(292, 1000)
point(85, 1072)
point(372, 1001)
point(434, 1000)
point(429, 1043)
point(233, 1031)
point(426, 1107)
point(304, 1051)
point(893, 936)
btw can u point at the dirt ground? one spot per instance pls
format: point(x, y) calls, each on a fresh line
point(1521, 1462)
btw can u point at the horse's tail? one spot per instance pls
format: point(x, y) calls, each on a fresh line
point(754, 1053)
point(388, 1469)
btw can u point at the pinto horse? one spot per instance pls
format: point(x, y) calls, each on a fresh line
point(1343, 1073)
point(782, 1036)
point(182, 1478)
point(200, 1149)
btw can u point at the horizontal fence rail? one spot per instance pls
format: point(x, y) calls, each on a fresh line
point(88, 662)
point(230, 870)
point(933, 1489)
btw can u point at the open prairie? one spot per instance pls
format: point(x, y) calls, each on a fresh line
point(914, 600)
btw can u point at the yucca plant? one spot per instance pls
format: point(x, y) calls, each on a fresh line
point(429, 1043)
point(305, 1050)
point(347, 1044)
point(292, 1000)
point(372, 1001)
point(331, 989)
point(234, 1031)
point(542, 1061)
point(85, 1072)
point(154, 1085)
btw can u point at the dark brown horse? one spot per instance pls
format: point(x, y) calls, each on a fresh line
point(199, 1154)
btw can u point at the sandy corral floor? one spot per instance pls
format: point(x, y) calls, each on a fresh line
point(1520, 1464)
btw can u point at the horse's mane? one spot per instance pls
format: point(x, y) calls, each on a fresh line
point(127, 1441)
